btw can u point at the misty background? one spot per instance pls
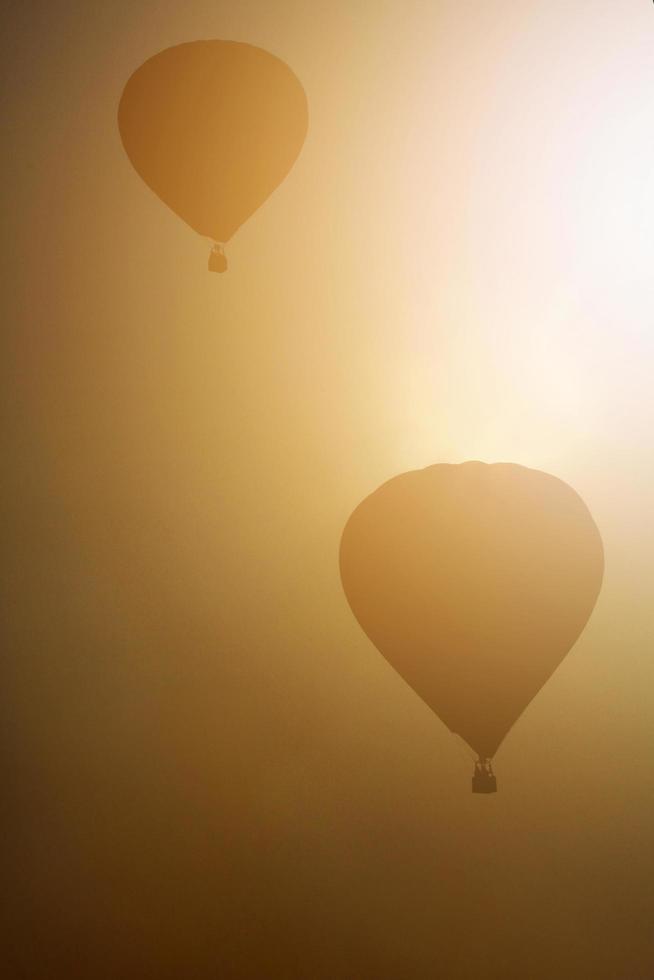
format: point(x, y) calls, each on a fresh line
point(209, 771)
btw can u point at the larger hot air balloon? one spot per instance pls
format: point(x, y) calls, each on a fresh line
point(474, 581)
point(213, 127)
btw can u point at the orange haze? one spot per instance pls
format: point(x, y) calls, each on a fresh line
point(211, 773)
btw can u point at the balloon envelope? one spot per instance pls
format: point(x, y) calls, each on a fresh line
point(474, 581)
point(213, 127)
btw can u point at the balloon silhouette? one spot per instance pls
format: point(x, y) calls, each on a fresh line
point(473, 581)
point(213, 127)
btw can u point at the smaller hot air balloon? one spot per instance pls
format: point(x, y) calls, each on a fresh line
point(473, 581)
point(213, 127)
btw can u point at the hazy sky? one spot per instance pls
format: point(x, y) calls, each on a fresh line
point(210, 771)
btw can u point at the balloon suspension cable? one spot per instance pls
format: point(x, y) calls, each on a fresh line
point(217, 258)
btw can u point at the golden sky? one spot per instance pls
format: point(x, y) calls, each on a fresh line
point(211, 772)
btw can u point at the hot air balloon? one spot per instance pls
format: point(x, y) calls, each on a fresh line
point(213, 127)
point(474, 581)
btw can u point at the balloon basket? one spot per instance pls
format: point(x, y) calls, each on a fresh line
point(217, 259)
point(483, 778)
